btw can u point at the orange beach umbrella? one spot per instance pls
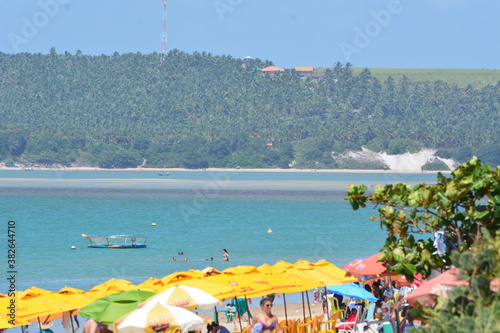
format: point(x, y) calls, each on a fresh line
point(369, 267)
point(427, 293)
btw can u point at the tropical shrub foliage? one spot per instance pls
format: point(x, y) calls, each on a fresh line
point(474, 308)
point(466, 209)
point(197, 110)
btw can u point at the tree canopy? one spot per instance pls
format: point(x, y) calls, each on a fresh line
point(465, 211)
point(70, 109)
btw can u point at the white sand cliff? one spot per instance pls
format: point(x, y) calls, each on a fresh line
point(407, 162)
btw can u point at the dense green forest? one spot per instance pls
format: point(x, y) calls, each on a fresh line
point(199, 110)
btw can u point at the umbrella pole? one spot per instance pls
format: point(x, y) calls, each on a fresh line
point(308, 304)
point(216, 314)
point(39, 324)
point(327, 312)
point(303, 307)
point(76, 320)
point(284, 303)
point(248, 308)
point(71, 321)
point(238, 312)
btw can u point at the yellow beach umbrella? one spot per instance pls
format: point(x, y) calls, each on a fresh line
point(183, 296)
point(160, 318)
point(240, 270)
point(151, 284)
point(180, 276)
point(23, 309)
point(312, 270)
point(8, 322)
point(30, 309)
point(303, 264)
point(267, 269)
point(215, 289)
point(241, 285)
point(251, 284)
point(300, 280)
point(32, 292)
point(335, 271)
point(281, 266)
point(113, 286)
point(209, 271)
point(77, 301)
point(70, 291)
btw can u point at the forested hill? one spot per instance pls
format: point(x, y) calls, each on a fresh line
point(199, 110)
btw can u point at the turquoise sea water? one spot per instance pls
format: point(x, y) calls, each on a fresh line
point(199, 213)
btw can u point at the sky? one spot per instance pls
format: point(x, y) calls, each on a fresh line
point(319, 33)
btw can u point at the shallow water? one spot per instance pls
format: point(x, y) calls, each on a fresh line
point(199, 213)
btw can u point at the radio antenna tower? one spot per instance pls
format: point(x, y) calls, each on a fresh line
point(164, 32)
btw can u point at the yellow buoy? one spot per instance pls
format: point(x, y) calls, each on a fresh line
point(153, 224)
point(83, 235)
point(269, 231)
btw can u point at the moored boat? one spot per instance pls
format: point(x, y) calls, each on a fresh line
point(116, 241)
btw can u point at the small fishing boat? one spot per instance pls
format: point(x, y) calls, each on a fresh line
point(116, 241)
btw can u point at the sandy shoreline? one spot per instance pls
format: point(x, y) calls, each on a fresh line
point(224, 170)
point(293, 311)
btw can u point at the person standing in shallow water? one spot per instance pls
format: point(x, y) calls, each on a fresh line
point(225, 255)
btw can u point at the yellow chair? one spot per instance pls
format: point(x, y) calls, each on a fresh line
point(284, 326)
point(293, 325)
point(310, 325)
point(328, 326)
point(245, 330)
point(334, 302)
point(304, 325)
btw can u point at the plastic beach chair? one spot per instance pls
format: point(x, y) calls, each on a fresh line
point(328, 326)
point(335, 307)
point(369, 312)
point(350, 326)
point(246, 329)
point(291, 326)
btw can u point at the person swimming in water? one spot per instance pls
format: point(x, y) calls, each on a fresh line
point(225, 255)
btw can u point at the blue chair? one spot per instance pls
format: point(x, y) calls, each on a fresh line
point(369, 312)
point(229, 315)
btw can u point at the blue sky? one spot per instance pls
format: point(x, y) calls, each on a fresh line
point(366, 33)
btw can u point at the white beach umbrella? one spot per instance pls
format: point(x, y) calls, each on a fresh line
point(184, 297)
point(160, 318)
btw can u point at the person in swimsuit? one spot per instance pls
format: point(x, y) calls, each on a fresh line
point(265, 321)
point(225, 255)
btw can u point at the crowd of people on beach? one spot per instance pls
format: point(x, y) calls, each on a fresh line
point(389, 307)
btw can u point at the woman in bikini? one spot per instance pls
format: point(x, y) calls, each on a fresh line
point(265, 321)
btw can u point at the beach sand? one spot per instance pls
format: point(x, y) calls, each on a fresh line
point(293, 311)
point(224, 170)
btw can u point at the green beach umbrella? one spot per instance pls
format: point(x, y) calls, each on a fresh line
point(109, 309)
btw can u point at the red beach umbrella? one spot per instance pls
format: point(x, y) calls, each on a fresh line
point(428, 292)
point(369, 267)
